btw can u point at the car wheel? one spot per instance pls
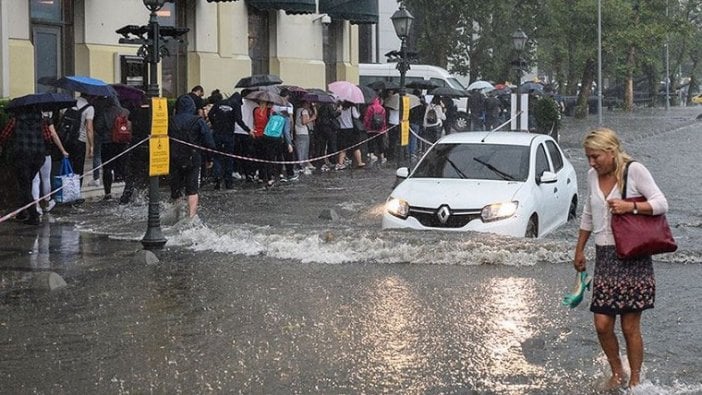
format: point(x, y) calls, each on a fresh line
point(532, 229)
point(462, 122)
point(572, 211)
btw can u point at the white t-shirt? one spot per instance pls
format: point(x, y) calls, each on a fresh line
point(88, 114)
point(247, 109)
point(345, 118)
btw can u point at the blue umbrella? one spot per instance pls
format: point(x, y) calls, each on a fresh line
point(88, 85)
point(47, 101)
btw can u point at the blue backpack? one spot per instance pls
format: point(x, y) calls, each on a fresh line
point(275, 126)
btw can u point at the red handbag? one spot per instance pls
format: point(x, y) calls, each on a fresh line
point(639, 235)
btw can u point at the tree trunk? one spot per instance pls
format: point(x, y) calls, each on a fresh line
point(629, 92)
point(583, 106)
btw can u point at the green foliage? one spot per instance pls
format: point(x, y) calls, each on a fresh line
point(547, 115)
point(473, 37)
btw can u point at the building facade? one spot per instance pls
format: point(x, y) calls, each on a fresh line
point(307, 43)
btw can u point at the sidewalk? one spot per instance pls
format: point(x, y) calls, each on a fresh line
point(96, 192)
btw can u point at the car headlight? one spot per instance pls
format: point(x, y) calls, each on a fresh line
point(397, 207)
point(498, 211)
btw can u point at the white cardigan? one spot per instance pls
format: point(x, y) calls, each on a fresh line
point(596, 216)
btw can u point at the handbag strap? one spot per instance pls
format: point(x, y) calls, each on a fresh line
point(625, 177)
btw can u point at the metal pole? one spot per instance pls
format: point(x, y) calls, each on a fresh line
point(153, 239)
point(599, 62)
point(667, 66)
point(519, 95)
point(403, 71)
point(402, 66)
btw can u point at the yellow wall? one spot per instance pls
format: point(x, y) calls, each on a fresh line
point(21, 67)
point(301, 72)
point(213, 72)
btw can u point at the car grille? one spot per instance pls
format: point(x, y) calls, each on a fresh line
point(429, 217)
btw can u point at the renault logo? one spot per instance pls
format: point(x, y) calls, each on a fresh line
point(443, 214)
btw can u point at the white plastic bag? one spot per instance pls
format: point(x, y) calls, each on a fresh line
point(68, 182)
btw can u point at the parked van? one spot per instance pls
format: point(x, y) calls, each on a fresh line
point(370, 72)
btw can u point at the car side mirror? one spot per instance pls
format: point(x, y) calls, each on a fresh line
point(402, 172)
point(547, 177)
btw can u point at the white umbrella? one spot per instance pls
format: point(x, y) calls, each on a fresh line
point(481, 85)
point(393, 101)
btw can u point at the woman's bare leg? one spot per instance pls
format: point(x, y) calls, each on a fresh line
point(631, 327)
point(604, 325)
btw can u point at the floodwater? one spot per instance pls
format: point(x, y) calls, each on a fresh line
point(263, 296)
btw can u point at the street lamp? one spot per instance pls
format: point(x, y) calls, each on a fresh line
point(153, 239)
point(519, 39)
point(402, 22)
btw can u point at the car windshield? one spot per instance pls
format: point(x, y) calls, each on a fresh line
point(475, 161)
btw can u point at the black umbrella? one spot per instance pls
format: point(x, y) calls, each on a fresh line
point(368, 94)
point(319, 97)
point(529, 87)
point(258, 80)
point(446, 91)
point(382, 85)
point(47, 101)
point(423, 84)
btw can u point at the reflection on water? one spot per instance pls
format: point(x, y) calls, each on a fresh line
point(506, 319)
point(391, 336)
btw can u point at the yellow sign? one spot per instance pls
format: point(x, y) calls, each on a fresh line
point(159, 156)
point(159, 116)
point(405, 108)
point(404, 133)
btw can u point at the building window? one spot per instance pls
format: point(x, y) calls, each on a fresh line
point(174, 66)
point(331, 36)
point(52, 37)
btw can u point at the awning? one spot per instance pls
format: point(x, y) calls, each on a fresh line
point(219, 1)
point(354, 11)
point(289, 6)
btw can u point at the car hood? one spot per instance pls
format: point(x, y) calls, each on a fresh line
point(456, 193)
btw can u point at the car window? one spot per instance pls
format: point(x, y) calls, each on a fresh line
point(475, 161)
point(541, 161)
point(555, 154)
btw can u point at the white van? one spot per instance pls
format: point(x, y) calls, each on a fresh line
point(369, 72)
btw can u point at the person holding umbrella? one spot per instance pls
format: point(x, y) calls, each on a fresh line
point(29, 151)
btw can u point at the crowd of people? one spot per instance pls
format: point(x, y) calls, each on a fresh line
point(313, 136)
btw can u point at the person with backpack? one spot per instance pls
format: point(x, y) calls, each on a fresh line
point(110, 120)
point(433, 119)
point(76, 132)
point(277, 141)
point(186, 160)
point(261, 114)
point(223, 118)
point(325, 135)
point(374, 121)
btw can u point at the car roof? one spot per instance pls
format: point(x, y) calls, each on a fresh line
point(508, 138)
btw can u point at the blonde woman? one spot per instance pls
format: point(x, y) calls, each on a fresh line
point(622, 288)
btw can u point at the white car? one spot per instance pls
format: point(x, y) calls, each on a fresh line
point(510, 183)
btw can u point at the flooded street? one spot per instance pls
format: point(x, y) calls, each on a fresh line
point(264, 296)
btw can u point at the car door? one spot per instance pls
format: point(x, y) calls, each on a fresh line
point(565, 183)
point(546, 194)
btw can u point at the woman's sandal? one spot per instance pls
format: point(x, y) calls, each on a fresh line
point(582, 282)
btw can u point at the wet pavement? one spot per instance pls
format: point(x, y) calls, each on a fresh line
point(266, 297)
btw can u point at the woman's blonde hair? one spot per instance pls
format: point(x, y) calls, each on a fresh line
point(604, 139)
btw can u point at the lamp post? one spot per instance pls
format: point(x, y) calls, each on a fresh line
point(402, 22)
point(153, 239)
point(519, 39)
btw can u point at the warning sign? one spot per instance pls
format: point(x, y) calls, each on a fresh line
point(159, 116)
point(159, 156)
